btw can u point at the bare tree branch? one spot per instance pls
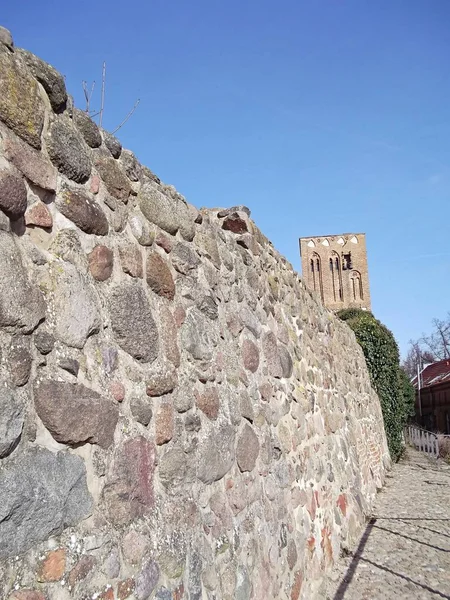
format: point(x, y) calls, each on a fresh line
point(88, 95)
point(429, 348)
point(102, 104)
point(136, 104)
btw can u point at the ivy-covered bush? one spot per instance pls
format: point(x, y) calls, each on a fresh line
point(388, 379)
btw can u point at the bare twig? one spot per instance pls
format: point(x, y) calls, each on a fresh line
point(102, 105)
point(93, 113)
point(88, 95)
point(128, 115)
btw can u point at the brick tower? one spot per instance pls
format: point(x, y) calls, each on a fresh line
point(335, 267)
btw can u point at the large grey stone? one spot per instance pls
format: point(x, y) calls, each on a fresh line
point(67, 245)
point(250, 321)
point(158, 208)
point(42, 493)
point(146, 580)
point(184, 258)
point(88, 128)
point(22, 305)
point(11, 420)
point(19, 360)
point(44, 341)
point(286, 362)
point(130, 165)
point(74, 304)
point(195, 575)
point(197, 335)
point(243, 585)
point(208, 306)
point(141, 229)
point(207, 244)
point(6, 38)
point(169, 213)
point(112, 143)
point(215, 453)
point(75, 414)
point(21, 105)
point(67, 149)
point(141, 409)
point(174, 469)
point(227, 211)
point(77, 206)
point(52, 81)
point(133, 323)
point(114, 178)
point(169, 335)
point(247, 450)
point(272, 355)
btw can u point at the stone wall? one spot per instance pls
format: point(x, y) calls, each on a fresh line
point(179, 417)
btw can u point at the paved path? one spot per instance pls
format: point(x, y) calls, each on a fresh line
point(404, 553)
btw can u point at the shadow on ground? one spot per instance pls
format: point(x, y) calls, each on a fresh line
point(404, 552)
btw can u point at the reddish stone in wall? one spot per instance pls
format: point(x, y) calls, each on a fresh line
point(208, 402)
point(164, 242)
point(101, 263)
point(39, 215)
point(125, 589)
point(159, 276)
point(297, 587)
point(107, 594)
point(342, 503)
point(31, 163)
point(179, 315)
point(81, 569)
point(53, 566)
point(117, 390)
point(178, 593)
point(131, 259)
point(311, 506)
point(128, 493)
point(164, 424)
point(95, 184)
point(250, 356)
point(26, 595)
point(326, 546)
point(235, 223)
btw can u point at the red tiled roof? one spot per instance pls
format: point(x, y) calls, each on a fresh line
point(438, 372)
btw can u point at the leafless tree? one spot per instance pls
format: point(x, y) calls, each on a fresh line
point(429, 348)
point(88, 97)
point(416, 357)
point(438, 342)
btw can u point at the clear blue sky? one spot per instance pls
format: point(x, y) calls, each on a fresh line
point(322, 116)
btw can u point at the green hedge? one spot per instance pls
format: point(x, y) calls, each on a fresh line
point(388, 379)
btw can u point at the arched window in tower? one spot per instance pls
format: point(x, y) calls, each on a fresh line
point(356, 286)
point(336, 276)
point(317, 274)
point(313, 273)
point(332, 279)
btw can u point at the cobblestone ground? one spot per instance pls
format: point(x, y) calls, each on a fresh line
point(404, 553)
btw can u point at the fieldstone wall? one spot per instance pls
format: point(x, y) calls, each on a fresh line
point(179, 417)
